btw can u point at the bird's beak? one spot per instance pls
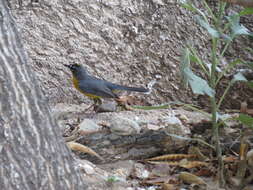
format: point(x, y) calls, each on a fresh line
point(66, 65)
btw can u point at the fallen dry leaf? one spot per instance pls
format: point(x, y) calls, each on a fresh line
point(166, 186)
point(190, 178)
point(192, 164)
point(230, 159)
point(172, 157)
point(204, 172)
point(79, 147)
point(183, 163)
point(162, 180)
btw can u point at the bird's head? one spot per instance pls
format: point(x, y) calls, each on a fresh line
point(74, 67)
point(77, 70)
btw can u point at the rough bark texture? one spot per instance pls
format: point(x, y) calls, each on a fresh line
point(33, 155)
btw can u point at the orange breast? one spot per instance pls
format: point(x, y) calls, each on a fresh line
point(76, 85)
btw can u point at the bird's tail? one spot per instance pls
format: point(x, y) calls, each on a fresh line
point(135, 89)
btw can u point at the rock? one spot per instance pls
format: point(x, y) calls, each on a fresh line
point(175, 126)
point(88, 169)
point(89, 125)
point(159, 2)
point(140, 171)
point(177, 131)
point(250, 157)
point(119, 186)
point(109, 39)
point(123, 126)
point(107, 107)
point(63, 111)
point(96, 180)
point(122, 168)
point(151, 126)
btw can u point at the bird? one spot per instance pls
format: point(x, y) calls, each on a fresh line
point(96, 88)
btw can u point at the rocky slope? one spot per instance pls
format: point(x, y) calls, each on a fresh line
point(129, 42)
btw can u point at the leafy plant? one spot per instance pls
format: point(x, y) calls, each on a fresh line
point(223, 30)
point(112, 179)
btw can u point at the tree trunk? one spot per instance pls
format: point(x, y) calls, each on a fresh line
point(33, 154)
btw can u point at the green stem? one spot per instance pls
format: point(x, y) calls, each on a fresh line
point(210, 11)
point(225, 49)
point(224, 94)
point(214, 114)
point(198, 60)
point(226, 69)
point(222, 181)
point(197, 109)
point(165, 106)
point(221, 10)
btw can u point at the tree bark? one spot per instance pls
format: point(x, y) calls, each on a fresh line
point(33, 154)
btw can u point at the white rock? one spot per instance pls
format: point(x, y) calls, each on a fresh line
point(88, 169)
point(89, 125)
point(123, 126)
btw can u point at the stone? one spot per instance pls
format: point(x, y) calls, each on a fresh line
point(174, 126)
point(107, 107)
point(140, 171)
point(122, 126)
point(89, 125)
point(88, 169)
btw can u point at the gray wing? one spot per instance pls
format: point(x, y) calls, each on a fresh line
point(96, 87)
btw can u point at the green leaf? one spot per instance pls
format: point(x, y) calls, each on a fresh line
point(250, 84)
point(113, 179)
point(246, 120)
point(196, 59)
point(246, 11)
point(226, 37)
point(228, 67)
point(214, 33)
point(240, 30)
point(220, 116)
point(239, 77)
point(198, 85)
point(236, 27)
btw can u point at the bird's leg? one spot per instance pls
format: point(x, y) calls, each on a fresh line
point(92, 105)
point(97, 103)
point(123, 103)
